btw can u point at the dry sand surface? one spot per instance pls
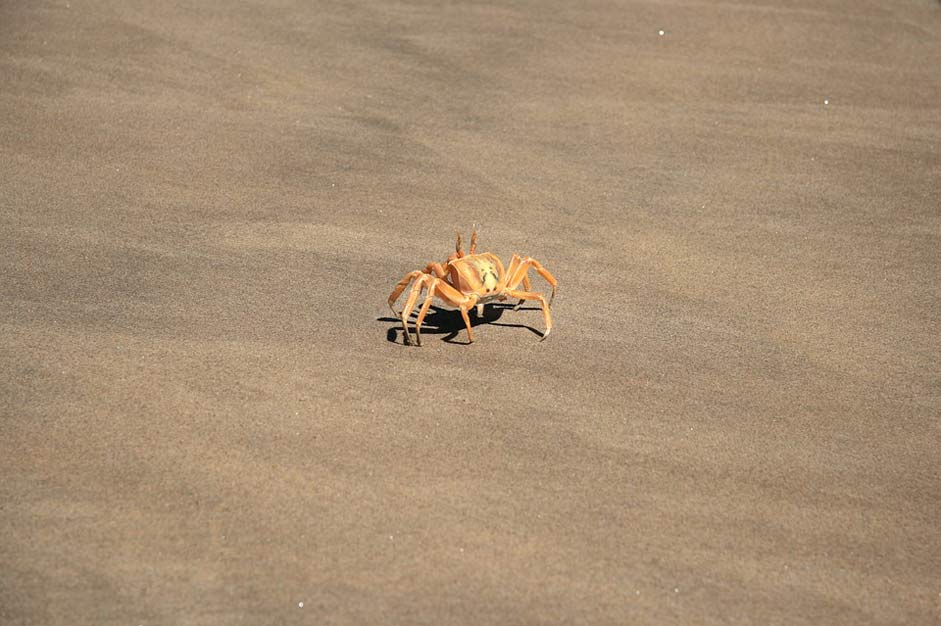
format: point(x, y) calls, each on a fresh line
point(208, 413)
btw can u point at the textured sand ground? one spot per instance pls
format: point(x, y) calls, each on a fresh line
point(209, 418)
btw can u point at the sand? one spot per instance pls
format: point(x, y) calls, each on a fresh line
point(208, 413)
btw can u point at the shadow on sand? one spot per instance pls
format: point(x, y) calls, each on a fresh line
point(448, 322)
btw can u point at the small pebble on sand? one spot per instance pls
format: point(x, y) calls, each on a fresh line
point(661, 33)
point(300, 605)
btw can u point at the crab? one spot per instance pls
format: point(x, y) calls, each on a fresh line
point(470, 280)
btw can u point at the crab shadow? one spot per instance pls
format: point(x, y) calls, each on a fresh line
point(448, 322)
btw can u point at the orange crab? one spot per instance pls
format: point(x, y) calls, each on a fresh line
point(470, 280)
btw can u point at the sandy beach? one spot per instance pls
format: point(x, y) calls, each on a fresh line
point(207, 411)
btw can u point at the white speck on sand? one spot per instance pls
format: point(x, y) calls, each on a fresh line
point(661, 33)
point(300, 605)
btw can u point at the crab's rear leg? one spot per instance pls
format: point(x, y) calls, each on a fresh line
point(400, 287)
point(429, 296)
point(527, 286)
point(520, 273)
point(528, 295)
point(515, 261)
point(434, 268)
point(440, 270)
point(420, 283)
point(449, 295)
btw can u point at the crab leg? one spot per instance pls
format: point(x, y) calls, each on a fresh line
point(527, 286)
point(528, 295)
point(511, 271)
point(445, 292)
point(449, 295)
point(434, 268)
point(438, 269)
point(430, 295)
point(470, 335)
point(417, 287)
point(400, 287)
point(455, 298)
point(521, 274)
